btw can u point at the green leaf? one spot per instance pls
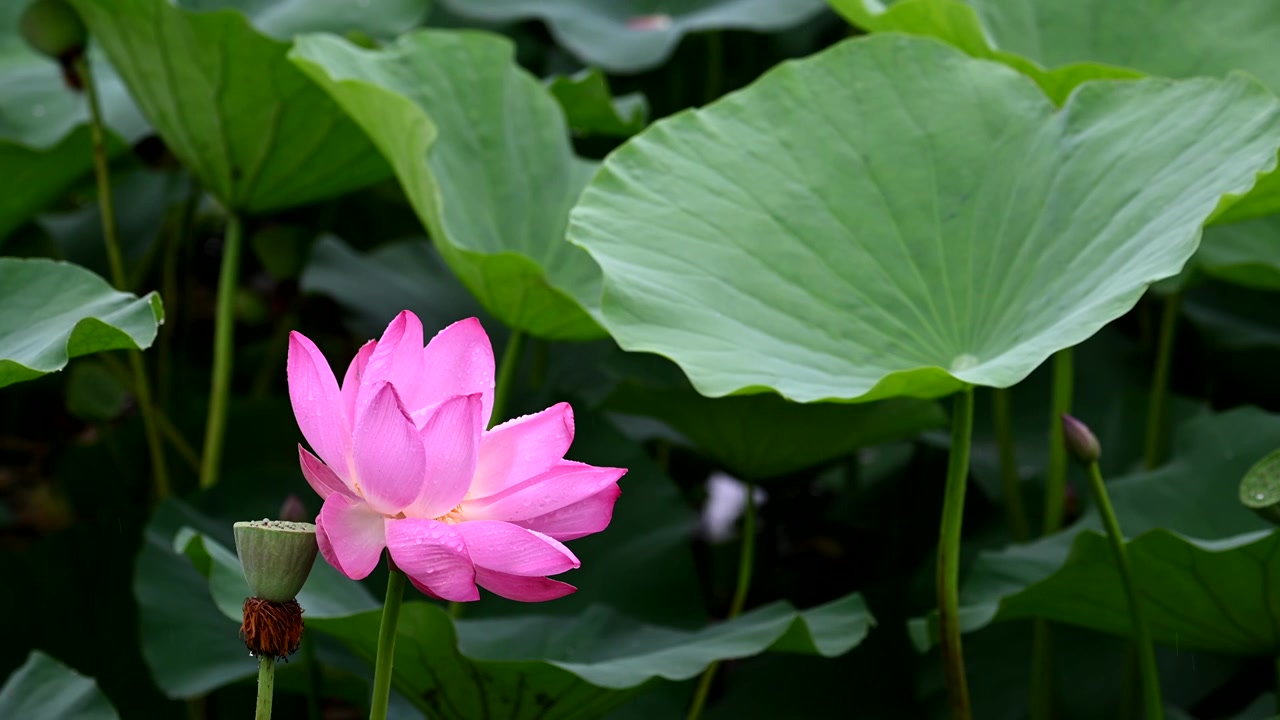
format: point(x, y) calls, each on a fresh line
point(372, 287)
point(559, 667)
point(1060, 46)
point(633, 35)
point(52, 311)
point(1243, 253)
point(961, 232)
point(1233, 318)
point(590, 108)
point(227, 102)
point(482, 151)
point(44, 139)
point(762, 436)
point(45, 688)
point(93, 393)
point(1202, 561)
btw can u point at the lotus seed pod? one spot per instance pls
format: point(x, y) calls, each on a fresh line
point(53, 28)
point(276, 556)
point(1080, 440)
point(1260, 488)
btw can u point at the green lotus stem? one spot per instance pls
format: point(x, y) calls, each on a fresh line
point(142, 390)
point(1015, 511)
point(386, 645)
point(1041, 670)
point(266, 687)
point(948, 579)
point(746, 564)
point(223, 337)
point(506, 375)
point(1142, 636)
point(314, 710)
point(167, 429)
point(1055, 486)
point(1157, 408)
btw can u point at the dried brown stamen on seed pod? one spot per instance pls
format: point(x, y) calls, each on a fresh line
point(271, 629)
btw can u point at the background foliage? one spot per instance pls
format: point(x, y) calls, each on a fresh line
point(688, 235)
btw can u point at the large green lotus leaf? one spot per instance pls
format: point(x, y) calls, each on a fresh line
point(1243, 253)
point(228, 103)
point(762, 436)
point(1063, 44)
point(931, 223)
point(1204, 564)
point(591, 109)
point(583, 666)
point(635, 35)
point(53, 311)
point(481, 149)
point(45, 688)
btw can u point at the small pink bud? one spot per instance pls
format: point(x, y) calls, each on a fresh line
point(293, 510)
point(649, 22)
point(1080, 440)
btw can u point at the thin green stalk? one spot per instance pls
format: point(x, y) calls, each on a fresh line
point(746, 563)
point(949, 556)
point(142, 390)
point(1157, 408)
point(223, 349)
point(506, 375)
point(314, 709)
point(266, 687)
point(1015, 511)
point(1142, 636)
point(166, 426)
point(387, 645)
point(1055, 485)
point(1041, 670)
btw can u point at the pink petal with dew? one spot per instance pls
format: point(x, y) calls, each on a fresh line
point(350, 535)
point(514, 550)
point(321, 479)
point(396, 359)
point(520, 588)
point(451, 438)
point(351, 381)
point(435, 556)
point(564, 484)
point(458, 361)
point(585, 517)
point(317, 403)
point(387, 453)
point(521, 448)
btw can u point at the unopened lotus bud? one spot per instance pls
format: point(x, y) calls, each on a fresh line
point(53, 28)
point(1080, 441)
point(276, 556)
point(1260, 488)
point(293, 510)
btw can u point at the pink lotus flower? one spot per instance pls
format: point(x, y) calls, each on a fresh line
point(405, 463)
